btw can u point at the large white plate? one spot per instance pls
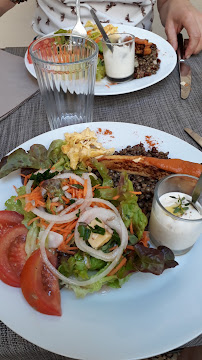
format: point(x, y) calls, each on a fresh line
point(147, 316)
point(167, 56)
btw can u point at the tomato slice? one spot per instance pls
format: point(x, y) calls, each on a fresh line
point(39, 286)
point(12, 254)
point(9, 219)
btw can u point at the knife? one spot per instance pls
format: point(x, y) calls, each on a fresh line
point(100, 27)
point(184, 69)
point(194, 136)
point(197, 193)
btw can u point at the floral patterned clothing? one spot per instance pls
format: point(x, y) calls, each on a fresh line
point(52, 15)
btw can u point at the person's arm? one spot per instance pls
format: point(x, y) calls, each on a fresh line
point(5, 5)
point(178, 14)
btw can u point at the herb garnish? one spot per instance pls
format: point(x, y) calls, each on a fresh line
point(78, 214)
point(183, 205)
point(39, 177)
point(98, 220)
point(77, 186)
point(72, 201)
point(85, 230)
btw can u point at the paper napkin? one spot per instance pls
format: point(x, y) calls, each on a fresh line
point(16, 84)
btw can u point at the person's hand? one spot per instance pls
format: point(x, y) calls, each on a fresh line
point(5, 5)
point(178, 14)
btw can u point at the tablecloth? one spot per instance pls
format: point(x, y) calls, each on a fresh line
point(158, 106)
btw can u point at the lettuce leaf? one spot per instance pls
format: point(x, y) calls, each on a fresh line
point(18, 205)
point(148, 260)
point(59, 160)
point(103, 171)
point(79, 265)
point(111, 281)
point(100, 72)
point(35, 158)
point(129, 208)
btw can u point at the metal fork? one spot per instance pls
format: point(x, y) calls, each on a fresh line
point(79, 28)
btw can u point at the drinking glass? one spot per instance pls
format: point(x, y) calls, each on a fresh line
point(65, 66)
point(167, 226)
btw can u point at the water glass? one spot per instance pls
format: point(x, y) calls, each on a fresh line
point(176, 226)
point(65, 66)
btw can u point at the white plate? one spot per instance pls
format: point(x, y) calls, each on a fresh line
point(149, 315)
point(167, 56)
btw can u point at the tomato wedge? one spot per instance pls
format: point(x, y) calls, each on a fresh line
point(9, 219)
point(12, 254)
point(28, 53)
point(39, 286)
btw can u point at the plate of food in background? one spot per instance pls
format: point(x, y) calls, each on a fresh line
point(155, 59)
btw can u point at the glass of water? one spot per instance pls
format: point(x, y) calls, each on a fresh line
point(65, 66)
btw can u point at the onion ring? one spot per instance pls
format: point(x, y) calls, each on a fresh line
point(113, 221)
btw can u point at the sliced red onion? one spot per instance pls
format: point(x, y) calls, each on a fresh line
point(70, 280)
point(54, 239)
point(110, 219)
point(69, 175)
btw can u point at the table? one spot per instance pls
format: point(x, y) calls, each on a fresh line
point(159, 106)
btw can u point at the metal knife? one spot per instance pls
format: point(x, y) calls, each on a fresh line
point(194, 136)
point(197, 194)
point(184, 69)
point(100, 27)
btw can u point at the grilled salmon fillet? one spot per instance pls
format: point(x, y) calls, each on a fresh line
point(132, 165)
point(150, 166)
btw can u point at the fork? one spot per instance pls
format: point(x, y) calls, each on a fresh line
point(79, 28)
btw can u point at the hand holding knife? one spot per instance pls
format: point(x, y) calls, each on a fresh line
point(184, 69)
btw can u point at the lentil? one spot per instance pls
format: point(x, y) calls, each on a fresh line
point(140, 183)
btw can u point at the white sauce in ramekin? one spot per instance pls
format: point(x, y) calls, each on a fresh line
point(120, 63)
point(176, 232)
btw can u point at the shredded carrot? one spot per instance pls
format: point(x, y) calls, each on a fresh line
point(55, 204)
point(131, 228)
point(113, 248)
point(136, 192)
point(95, 187)
point(64, 229)
point(69, 239)
point(98, 39)
point(35, 196)
point(15, 188)
point(73, 248)
point(32, 220)
point(118, 267)
point(130, 247)
point(65, 199)
point(145, 238)
point(116, 197)
point(100, 205)
point(85, 188)
point(64, 248)
point(26, 178)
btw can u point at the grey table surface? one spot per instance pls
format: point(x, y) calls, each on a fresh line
point(159, 106)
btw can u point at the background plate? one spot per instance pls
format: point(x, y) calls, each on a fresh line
point(167, 56)
point(149, 315)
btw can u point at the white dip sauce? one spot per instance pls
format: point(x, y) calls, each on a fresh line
point(120, 63)
point(178, 232)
